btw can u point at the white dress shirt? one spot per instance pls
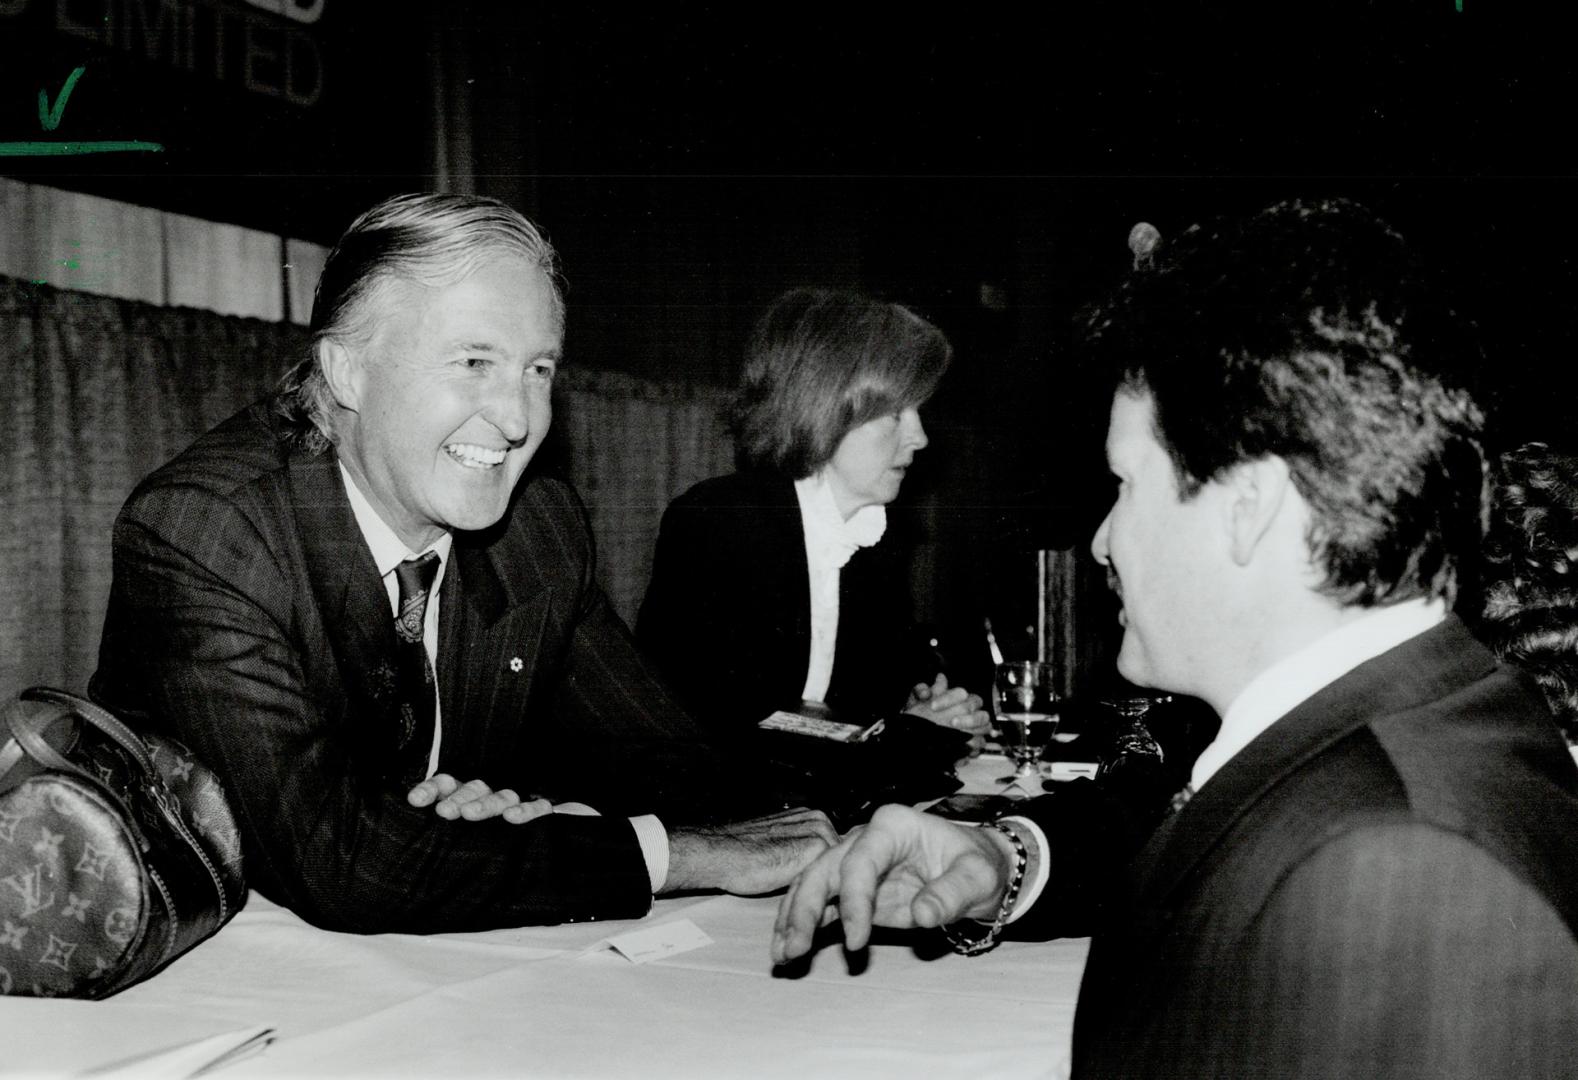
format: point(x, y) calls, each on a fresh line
point(1273, 693)
point(829, 543)
point(389, 551)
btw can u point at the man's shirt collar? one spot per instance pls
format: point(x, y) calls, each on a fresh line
point(1274, 692)
point(389, 551)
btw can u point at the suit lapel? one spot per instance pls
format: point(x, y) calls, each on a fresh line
point(471, 600)
point(1422, 669)
point(772, 600)
point(786, 533)
point(350, 597)
point(489, 652)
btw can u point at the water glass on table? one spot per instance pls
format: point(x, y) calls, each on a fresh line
point(1025, 698)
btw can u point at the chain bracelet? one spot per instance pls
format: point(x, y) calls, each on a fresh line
point(962, 941)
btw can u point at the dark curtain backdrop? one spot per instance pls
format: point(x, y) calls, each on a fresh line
point(99, 392)
point(630, 445)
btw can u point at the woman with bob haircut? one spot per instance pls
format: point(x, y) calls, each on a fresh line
point(773, 585)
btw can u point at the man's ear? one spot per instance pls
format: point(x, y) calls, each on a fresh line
point(343, 372)
point(1257, 492)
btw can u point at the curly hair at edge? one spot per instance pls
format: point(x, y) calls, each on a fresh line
point(1530, 609)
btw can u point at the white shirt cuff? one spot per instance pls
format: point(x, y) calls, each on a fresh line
point(1031, 890)
point(653, 838)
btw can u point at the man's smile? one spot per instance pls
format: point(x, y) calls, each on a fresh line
point(473, 456)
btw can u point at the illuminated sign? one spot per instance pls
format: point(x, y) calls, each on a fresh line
point(265, 46)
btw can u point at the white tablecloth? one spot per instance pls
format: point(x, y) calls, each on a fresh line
point(534, 1002)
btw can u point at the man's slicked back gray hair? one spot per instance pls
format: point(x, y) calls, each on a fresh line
point(431, 240)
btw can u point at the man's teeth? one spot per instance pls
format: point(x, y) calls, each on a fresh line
point(475, 457)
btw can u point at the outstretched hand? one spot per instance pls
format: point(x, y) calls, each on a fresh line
point(475, 801)
point(904, 869)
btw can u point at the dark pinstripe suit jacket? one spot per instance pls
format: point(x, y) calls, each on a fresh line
point(1383, 884)
point(247, 619)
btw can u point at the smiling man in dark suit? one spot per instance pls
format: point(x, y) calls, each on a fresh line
point(1374, 875)
point(348, 596)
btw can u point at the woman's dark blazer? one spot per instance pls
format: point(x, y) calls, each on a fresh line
point(727, 615)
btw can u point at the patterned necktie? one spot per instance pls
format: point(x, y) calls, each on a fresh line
point(413, 672)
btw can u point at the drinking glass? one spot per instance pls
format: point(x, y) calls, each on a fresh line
point(1132, 740)
point(1135, 708)
point(1027, 713)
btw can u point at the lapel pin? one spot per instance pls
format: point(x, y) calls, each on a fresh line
point(516, 664)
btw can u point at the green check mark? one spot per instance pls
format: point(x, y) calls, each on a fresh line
point(49, 118)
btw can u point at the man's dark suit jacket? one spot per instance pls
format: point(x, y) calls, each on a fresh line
point(727, 615)
point(248, 620)
point(1384, 883)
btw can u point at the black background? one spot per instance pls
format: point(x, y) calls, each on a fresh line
point(983, 162)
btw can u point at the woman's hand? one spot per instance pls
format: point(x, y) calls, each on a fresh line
point(953, 707)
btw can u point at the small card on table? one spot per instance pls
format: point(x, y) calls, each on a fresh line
point(655, 942)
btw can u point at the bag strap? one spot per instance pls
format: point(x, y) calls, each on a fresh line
point(11, 751)
point(99, 717)
point(27, 734)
